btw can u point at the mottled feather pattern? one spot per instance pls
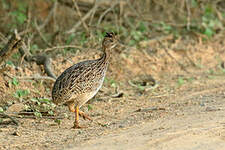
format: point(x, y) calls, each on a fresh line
point(80, 82)
point(78, 79)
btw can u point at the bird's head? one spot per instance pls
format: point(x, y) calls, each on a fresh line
point(109, 41)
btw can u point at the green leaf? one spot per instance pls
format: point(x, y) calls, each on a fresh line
point(5, 4)
point(38, 114)
point(1, 109)
point(89, 107)
point(10, 63)
point(132, 42)
point(142, 27)
point(136, 35)
point(208, 11)
point(70, 38)
point(34, 47)
point(45, 100)
point(21, 93)
point(21, 18)
point(194, 3)
point(36, 101)
point(209, 32)
point(51, 112)
point(83, 38)
point(141, 88)
point(15, 81)
point(58, 121)
point(180, 81)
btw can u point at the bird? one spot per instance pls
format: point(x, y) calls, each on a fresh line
point(81, 82)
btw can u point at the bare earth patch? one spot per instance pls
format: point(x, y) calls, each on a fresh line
point(184, 111)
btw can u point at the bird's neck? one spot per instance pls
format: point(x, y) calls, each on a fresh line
point(106, 54)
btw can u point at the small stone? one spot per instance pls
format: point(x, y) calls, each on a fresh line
point(15, 108)
point(16, 133)
point(211, 109)
point(121, 126)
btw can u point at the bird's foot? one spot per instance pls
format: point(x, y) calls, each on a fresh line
point(82, 114)
point(77, 126)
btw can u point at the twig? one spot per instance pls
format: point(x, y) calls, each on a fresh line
point(3, 68)
point(133, 9)
point(92, 14)
point(181, 65)
point(146, 88)
point(36, 78)
point(80, 16)
point(188, 15)
point(32, 116)
point(40, 60)
point(54, 15)
point(74, 28)
point(62, 47)
point(13, 44)
point(105, 12)
point(24, 51)
point(30, 77)
point(40, 33)
point(149, 109)
point(3, 38)
point(7, 116)
point(28, 21)
point(155, 40)
point(46, 21)
point(49, 16)
point(46, 61)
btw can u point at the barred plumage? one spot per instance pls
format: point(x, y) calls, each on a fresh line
point(80, 82)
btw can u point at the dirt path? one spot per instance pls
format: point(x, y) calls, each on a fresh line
point(194, 132)
point(199, 126)
point(193, 118)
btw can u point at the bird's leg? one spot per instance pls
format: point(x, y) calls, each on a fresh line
point(77, 112)
point(82, 114)
point(75, 109)
point(71, 107)
point(76, 122)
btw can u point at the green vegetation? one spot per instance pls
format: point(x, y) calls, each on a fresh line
point(41, 28)
point(39, 106)
point(202, 18)
point(21, 93)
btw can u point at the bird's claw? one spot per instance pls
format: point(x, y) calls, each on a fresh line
point(84, 116)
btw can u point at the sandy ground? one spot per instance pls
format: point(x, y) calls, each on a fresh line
point(191, 119)
point(193, 127)
point(184, 112)
point(198, 130)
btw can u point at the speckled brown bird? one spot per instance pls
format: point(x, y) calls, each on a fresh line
point(80, 82)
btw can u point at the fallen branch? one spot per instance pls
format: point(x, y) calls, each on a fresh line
point(31, 115)
point(46, 61)
point(149, 109)
point(62, 47)
point(80, 16)
point(74, 28)
point(13, 44)
point(31, 77)
point(16, 43)
point(181, 65)
point(7, 116)
point(106, 11)
point(40, 33)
